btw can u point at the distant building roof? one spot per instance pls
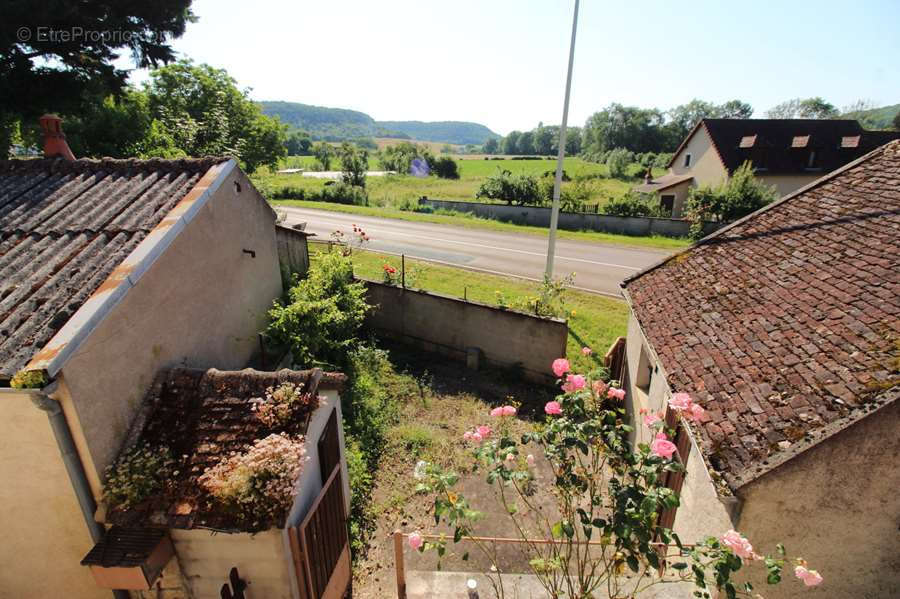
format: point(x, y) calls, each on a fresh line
point(64, 227)
point(785, 325)
point(784, 145)
point(662, 183)
point(201, 417)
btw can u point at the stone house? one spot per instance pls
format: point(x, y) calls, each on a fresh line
point(785, 327)
point(110, 272)
point(786, 154)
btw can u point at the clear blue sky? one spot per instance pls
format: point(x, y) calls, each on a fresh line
point(502, 62)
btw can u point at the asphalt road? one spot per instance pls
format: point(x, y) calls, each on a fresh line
point(599, 267)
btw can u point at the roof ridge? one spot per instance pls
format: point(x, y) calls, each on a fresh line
point(717, 233)
point(60, 165)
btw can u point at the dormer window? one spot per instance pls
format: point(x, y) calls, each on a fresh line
point(687, 161)
point(800, 141)
point(748, 141)
point(850, 141)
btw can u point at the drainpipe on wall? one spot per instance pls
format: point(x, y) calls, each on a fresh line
point(74, 467)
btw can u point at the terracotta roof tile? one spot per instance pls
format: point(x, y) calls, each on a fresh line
point(64, 226)
point(202, 416)
point(788, 320)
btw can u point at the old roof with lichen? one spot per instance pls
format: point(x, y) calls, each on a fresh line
point(64, 227)
point(201, 417)
point(786, 325)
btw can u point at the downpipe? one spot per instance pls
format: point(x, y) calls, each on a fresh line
point(74, 468)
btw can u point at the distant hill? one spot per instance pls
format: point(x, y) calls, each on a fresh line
point(876, 118)
point(335, 124)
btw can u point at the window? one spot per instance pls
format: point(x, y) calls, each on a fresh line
point(811, 162)
point(667, 203)
point(687, 160)
point(644, 373)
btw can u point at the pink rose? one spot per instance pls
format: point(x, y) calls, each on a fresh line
point(599, 387)
point(680, 401)
point(476, 436)
point(739, 545)
point(510, 457)
point(415, 540)
point(553, 408)
point(810, 578)
point(574, 382)
point(560, 366)
point(497, 412)
point(662, 448)
point(614, 393)
point(586, 351)
point(529, 459)
point(651, 419)
point(484, 431)
point(509, 410)
point(467, 436)
point(696, 412)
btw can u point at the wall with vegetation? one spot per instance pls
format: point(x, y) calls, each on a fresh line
point(574, 221)
point(449, 326)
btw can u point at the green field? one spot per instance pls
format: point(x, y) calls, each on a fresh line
point(594, 321)
point(405, 190)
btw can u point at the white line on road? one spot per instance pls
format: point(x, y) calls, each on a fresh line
point(487, 247)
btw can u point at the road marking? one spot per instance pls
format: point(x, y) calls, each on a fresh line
point(488, 247)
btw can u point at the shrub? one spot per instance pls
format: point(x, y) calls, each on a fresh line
point(280, 405)
point(137, 475)
point(633, 204)
point(512, 189)
point(324, 313)
point(259, 484)
point(662, 159)
point(444, 167)
point(617, 162)
point(739, 196)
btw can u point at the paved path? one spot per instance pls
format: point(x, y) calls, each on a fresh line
point(599, 267)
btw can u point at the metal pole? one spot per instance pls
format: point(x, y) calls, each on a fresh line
point(403, 269)
point(554, 215)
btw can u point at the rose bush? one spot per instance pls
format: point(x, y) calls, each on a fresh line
point(607, 492)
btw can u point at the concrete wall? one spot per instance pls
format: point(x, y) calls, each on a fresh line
point(575, 221)
point(837, 505)
point(44, 533)
point(449, 326)
point(199, 305)
point(206, 558)
point(293, 250)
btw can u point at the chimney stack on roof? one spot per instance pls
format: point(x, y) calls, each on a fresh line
point(54, 138)
point(648, 176)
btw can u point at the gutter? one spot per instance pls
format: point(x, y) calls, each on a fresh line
point(42, 399)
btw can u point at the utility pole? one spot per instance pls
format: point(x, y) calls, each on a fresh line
point(554, 215)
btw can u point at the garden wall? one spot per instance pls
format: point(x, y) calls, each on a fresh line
point(450, 326)
point(573, 221)
point(293, 250)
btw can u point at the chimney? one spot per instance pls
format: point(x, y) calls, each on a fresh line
point(648, 176)
point(54, 139)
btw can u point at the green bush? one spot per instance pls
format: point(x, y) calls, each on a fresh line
point(633, 204)
point(354, 164)
point(739, 196)
point(520, 189)
point(321, 320)
point(617, 162)
point(443, 167)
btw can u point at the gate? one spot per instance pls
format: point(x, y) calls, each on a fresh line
point(320, 545)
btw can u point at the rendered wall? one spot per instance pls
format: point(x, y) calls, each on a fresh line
point(837, 505)
point(576, 221)
point(785, 184)
point(199, 305)
point(44, 533)
point(706, 166)
point(206, 558)
point(448, 326)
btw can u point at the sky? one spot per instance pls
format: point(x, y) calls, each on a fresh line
point(502, 63)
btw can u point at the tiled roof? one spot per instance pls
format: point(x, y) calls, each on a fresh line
point(64, 227)
point(201, 417)
point(786, 322)
point(784, 145)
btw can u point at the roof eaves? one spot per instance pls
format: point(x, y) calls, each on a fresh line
point(825, 178)
point(76, 330)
